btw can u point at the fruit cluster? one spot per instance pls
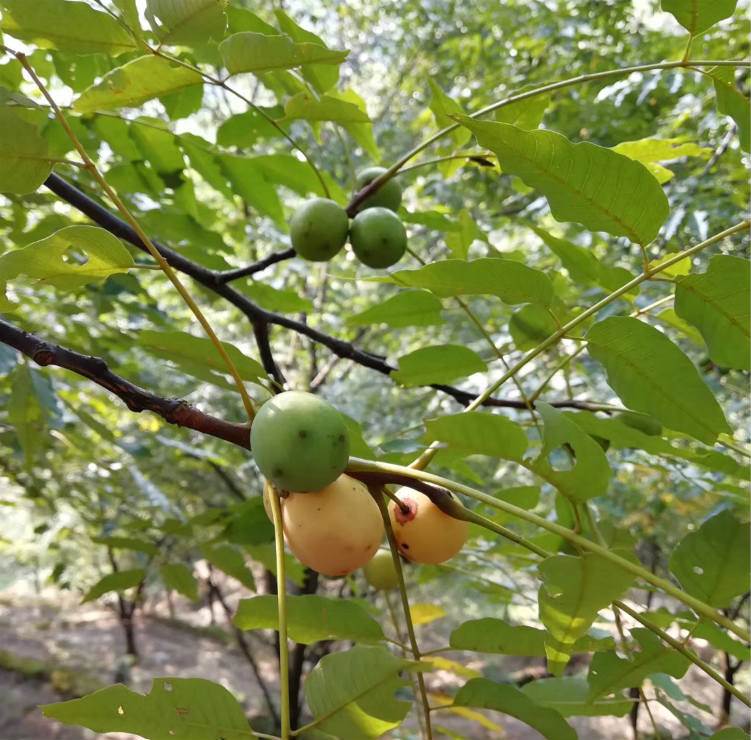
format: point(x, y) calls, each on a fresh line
point(331, 522)
point(319, 228)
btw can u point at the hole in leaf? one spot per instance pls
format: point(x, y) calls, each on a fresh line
point(74, 257)
point(562, 459)
point(697, 570)
point(167, 686)
point(120, 710)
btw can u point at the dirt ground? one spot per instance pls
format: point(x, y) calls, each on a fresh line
point(87, 643)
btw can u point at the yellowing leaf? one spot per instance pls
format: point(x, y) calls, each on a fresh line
point(426, 613)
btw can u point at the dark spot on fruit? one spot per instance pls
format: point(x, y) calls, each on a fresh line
point(404, 546)
point(302, 434)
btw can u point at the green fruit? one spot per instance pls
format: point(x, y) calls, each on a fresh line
point(299, 442)
point(318, 229)
point(380, 572)
point(388, 195)
point(378, 237)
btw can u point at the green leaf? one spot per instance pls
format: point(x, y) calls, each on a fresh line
point(573, 590)
point(189, 353)
point(247, 180)
point(530, 325)
point(732, 102)
point(405, 308)
point(719, 639)
point(119, 581)
point(730, 733)
point(652, 151)
point(583, 182)
point(183, 708)
point(510, 281)
point(187, 22)
point(351, 694)
point(230, 560)
point(362, 133)
point(69, 259)
point(443, 107)
point(568, 695)
point(484, 694)
point(566, 444)
point(609, 673)
point(717, 303)
point(129, 15)
point(136, 82)
point(256, 52)
point(26, 414)
point(70, 26)
point(443, 363)
point(476, 433)
point(127, 543)
point(712, 563)
point(25, 160)
point(526, 114)
point(461, 239)
point(275, 299)
point(305, 106)
point(696, 16)
point(179, 577)
point(310, 618)
point(651, 374)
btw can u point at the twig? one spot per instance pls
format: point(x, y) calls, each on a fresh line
point(241, 272)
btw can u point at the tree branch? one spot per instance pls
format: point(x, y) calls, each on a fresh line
point(258, 316)
point(229, 275)
point(172, 410)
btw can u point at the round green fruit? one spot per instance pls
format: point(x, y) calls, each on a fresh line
point(378, 237)
point(380, 572)
point(318, 229)
point(388, 195)
point(299, 442)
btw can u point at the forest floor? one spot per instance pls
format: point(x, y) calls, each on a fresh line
point(51, 650)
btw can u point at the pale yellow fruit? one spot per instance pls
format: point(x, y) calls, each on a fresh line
point(425, 534)
point(335, 530)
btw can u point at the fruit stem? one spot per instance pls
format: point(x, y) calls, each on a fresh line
point(281, 579)
point(376, 491)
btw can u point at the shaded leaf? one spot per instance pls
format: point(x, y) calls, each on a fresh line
point(127, 543)
point(310, 618)
point(484, 694)
point(184, 708)
point(118, 581)
point(440, 364)
point(510, 281)
point(609, 673)
point(712, 562)
point(351, 693)
point(405, 308)
point(732, 102)
point(717, 303)
point(569, 695)
point(26, 414)
point(530, 325)
point(651, 374)
point(583, 182)
point(303, 105)
point(187, 21)
point(586, 472)
point(70, 26)
point(696, 16)
point(25, 160)
point(477, 433)
point(230, 560)
point(179, 577)
point(136, 82)
point(256, 52)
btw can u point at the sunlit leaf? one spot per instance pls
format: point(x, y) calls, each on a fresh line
point(325, 108)
point(650, 152)
point(121, 580)
point(127, 543)
point(696, 16)
point(230, 560)
point(426, 613)
point(179, 577)
point(479, 434)
point(25, 160)
point(405, 308)
point(569, 695)
point(732, 102)
point(187, 21)
point(440, 364)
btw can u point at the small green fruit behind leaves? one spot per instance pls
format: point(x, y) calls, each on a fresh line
point(299, 442)
point(380, 572)
point(389, 195)
point(425, 534)
point(378, 237)
point(335, 530)
point(318, 229)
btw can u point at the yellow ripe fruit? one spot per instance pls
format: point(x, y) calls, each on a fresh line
point(335, 530)
point(425, 534)
point(380, 572)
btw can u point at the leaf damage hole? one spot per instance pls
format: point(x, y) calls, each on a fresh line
point(120, 710)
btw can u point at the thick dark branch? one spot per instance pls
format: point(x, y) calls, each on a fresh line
point(241, 272)
point(258, 316)
point(173, 410)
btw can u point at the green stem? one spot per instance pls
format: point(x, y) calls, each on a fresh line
point(554, 338)
point(385, 469)
point(281, 580)
point(381, 501)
